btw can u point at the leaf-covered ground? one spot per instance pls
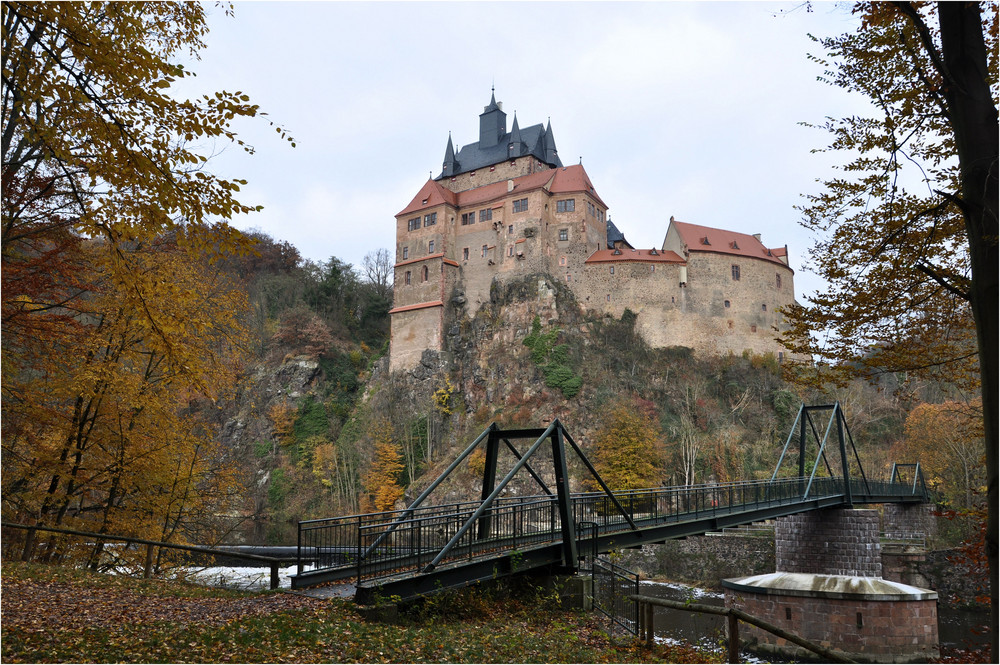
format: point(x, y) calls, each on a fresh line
point(52, 614)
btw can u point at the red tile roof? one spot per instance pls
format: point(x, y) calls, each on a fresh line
point(565, 180)
point(706, 239)
point(419, 305)
point(634, 255)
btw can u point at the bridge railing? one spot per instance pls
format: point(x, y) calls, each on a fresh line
point(333, 542)
point(401, 546)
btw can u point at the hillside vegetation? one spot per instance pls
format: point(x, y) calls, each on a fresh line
point(330, 431)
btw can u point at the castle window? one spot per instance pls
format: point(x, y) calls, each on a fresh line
point(564, 234)
point(609, 297)
point(521, 205)
point(567, 205)
point(492, 169)
point(430, 246)
point(485, 248)
point(736, 273)
point(431, 219)
point(652, 268)
point(406, 278)
point(763, 307)
point(486, 215)
point(406, 253)
point(424, 274)
point(777, 281)
point(465, 253)
point(510, 251)
point(612, 270)
point(727, 303)
point(468, 218)
point(781, 356)
point(413, 224)
point(510, 229)
point(753, 328)
point(569, 278)
point(562, 260)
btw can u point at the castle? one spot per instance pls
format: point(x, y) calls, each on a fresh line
point(506, 207)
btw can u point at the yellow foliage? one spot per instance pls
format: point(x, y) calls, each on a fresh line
point(947, 440)
point(442, 397)
point(282, 417)
point(381, 482)
point(629, 449)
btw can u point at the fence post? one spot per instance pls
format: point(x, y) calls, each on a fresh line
point(147, 570)
point(734, 638)
point(29, 544)
point(649, 622)
point(275, 579)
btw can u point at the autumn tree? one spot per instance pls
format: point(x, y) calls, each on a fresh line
point(947, 439)
point(628, 449)
point(908, 232)
point(105, 429)
point(381, 482)
point(118, 332)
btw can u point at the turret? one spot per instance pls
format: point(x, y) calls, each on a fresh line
point(492, 124)
point(450, 165)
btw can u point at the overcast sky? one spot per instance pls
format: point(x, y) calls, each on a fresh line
point(690, 109)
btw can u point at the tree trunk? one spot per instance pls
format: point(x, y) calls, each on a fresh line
point(974, 120)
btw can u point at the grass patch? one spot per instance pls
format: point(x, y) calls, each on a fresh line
point(53, 614)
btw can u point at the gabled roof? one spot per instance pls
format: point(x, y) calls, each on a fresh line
point(634, 256)
point(706, 239)
point(565, 180)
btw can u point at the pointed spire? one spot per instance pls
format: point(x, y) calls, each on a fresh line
point(449, 158)
point(551, 154)
point(515, 148)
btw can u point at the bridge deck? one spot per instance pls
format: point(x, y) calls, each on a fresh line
point(409, 554)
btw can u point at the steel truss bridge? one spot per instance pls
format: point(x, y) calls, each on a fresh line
point(426, 548)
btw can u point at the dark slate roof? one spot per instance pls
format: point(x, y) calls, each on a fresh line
point(614, 235)
point(536, 141)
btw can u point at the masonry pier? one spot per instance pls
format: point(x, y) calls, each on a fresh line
point(828, 588)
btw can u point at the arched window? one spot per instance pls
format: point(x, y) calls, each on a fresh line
point(424, 274)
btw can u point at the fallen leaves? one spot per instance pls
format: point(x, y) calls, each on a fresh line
point(51, 616)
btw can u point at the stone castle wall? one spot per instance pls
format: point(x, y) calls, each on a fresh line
point(697, 304)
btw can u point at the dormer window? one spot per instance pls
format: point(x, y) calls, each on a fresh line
point(734, 245)
point(424, 202)
point(653, 252)
point(704, 241)
point(617, 251)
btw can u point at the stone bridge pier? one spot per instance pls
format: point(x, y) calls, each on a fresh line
point(828, 588)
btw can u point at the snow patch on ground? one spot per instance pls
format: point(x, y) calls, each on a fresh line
point(692, 592)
